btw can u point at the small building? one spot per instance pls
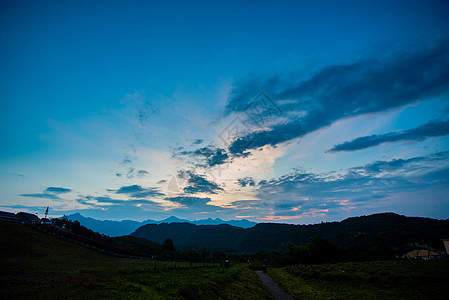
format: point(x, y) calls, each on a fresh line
point(424, 254)
point(27, 218)
point(446, 245)
point(8, 217)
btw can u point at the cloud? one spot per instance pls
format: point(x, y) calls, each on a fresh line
point(136, 191)
point(197, 205)
point(57, 190)
point(42, 195)
point(199, 184)
point(49, 193)
point(303, 193)
point(341, 91)
point(421, 163)
point(245, 204)
point(108, 202)
point(142, 173)
point(246, 181)
point(197, 142)
point(431, 129)
point(189, 201)
point(207, 156)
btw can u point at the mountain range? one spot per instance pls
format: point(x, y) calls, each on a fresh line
point(384, 230)
point(126, 227)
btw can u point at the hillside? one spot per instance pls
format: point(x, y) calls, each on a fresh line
point(386, 229)
point(36, 265)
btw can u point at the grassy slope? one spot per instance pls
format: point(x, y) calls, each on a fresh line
point(34, 265)
point(370, 280)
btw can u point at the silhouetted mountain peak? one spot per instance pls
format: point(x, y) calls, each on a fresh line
point(125, 227)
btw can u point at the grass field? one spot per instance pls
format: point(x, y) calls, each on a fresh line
point(368, 280)
point(34, 264)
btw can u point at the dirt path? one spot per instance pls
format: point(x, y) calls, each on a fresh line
point(277, 292)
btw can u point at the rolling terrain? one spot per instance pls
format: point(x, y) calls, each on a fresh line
point(40, 266)
point(386, 229)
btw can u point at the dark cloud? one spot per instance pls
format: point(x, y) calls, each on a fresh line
point(57, 190)
point(136, 191)
point(129, 189)
point(431, 129)
point(161, 181)
point(246, 181)
point(189, 201)
point(342, 91)
point(130, 173)
point(207, 156)
point(199, 184)
point(142, 173)
point(197, 142)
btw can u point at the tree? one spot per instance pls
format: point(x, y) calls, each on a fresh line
point(168, 249)
point(167, 245)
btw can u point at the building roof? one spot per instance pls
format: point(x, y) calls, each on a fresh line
point(7, 216)
point(27, 217)
point(420, 253)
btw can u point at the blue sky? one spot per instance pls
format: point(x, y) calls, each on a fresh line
point(286, 111)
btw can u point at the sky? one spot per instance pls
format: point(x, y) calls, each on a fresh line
point(272, 111)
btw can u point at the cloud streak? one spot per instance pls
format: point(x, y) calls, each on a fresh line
point(51, 193)
point(137, 191)
point(42, 195)
point(431, 129)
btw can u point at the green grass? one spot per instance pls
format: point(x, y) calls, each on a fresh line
point(369, 280)
point(34, 264)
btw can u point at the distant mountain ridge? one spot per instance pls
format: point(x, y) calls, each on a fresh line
point(126, 227)
point(386, 229)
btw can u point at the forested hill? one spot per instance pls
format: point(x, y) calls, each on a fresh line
point(386, 229)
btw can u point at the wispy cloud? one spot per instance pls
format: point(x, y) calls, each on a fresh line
point(431, 129)
point(142, 173)
point(342, 91)
point(49, 193)
point(137, 191)
point(101, 200)
point(42, 195)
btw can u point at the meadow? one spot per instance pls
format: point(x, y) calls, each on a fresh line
point(366, 280)
point(40, 266)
